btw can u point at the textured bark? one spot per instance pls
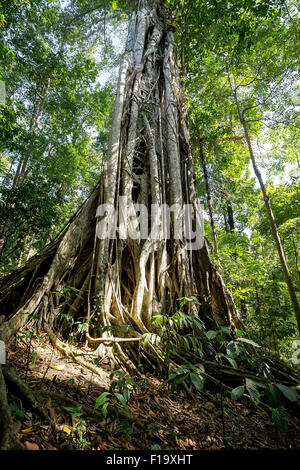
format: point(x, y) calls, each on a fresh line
point(123, 281)
point(230, 217)
point(8, 439)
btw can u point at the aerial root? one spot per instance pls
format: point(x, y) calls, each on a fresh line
point(71, 352)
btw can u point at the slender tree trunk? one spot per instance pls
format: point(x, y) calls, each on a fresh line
point(272, 221)
point(230, 217)
point(225, 221)
point(208, 196)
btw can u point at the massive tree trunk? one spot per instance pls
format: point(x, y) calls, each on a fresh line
point(123, 281)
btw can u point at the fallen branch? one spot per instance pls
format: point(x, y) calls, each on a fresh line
point(92, 414)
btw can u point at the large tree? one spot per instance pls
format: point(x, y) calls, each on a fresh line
point(124, 281)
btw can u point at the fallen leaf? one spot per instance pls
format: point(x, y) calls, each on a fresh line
point(31, 445)
point(58, 367)
point(48, 404)
point(67, 429)
point(209, 405)
point(52, 414)
point(26, 431)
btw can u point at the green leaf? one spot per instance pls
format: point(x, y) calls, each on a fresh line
point(103, 398)
point(231, 361)
point(155, 447)
point(104, 409)
point(233, 350)
point(227, 443)
point(249, 341)
point(180, 378)
point(197, 380)
point(122, 401)
point(280, 419)
point(252, 390)
point(114, 5)
point(273, 395)
point(74, 411)
point(211, 334)
point(237, 392)
point(158, 319)
point(290, 394)
point(225, 330)
point(199, 323)
point(239, 333)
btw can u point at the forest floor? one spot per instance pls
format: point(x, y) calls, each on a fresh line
point(170, 419)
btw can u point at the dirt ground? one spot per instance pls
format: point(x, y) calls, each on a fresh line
point(169, 420)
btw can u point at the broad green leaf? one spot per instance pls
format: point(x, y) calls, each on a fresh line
point(274, 396)
point(74, 411)
point(252, 390)
point(197, 381)
point(122, 401)
point(104, 409)
point(231, 361)
point(249, 341)
point(225, 330)
point(239, 333)
point(233, 349)
point(103, 398)
point(180, 378)
point(290, 394)
point(211, 334)
point(237, 392)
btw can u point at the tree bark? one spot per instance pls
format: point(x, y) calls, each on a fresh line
point(8, 439)
point(230, 217)
point(123, 281)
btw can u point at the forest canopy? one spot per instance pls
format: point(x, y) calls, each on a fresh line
point(164, 102)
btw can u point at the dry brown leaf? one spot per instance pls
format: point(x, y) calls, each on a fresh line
point(48, 403)
point(31, 445)
point(52, 414)
point(214, 447)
